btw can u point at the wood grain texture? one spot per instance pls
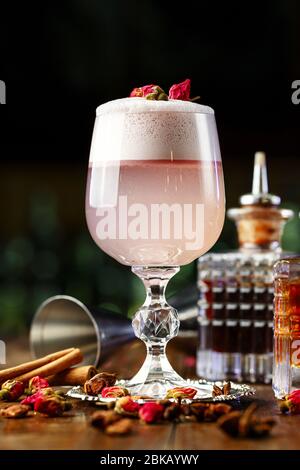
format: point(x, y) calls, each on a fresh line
point(73, 430)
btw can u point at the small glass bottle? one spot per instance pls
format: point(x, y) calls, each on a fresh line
point(236, 290)
point(286, 365)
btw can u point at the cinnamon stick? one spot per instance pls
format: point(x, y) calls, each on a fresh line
point(22, 369)
point(73, 376)
point(70, 359)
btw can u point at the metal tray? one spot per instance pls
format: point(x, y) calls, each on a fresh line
point(238, 391)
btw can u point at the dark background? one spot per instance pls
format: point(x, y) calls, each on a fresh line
point(60, 60)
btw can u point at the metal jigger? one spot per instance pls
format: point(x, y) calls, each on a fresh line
point(64, 322)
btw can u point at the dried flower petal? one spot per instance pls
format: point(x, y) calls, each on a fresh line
point(126, 406)
point(114, 392)
point(150, 92)
point(181, 392)
point(49, 405)
point(291, 403)
point(180, 91)
point(151, 412)
point(37, 383)
point(31, 399)
point(11, 390)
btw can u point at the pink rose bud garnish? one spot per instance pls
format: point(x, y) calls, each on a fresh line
point(181, 392)
point(49, 405)
point(37, 383)
point(150, 92)
point(180, 91)
point(114, 392)
point(151, 412)
point(31, 399)
point(11, 390)
point(126, 406)
point(291, 403)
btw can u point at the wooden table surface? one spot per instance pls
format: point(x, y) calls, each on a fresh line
point(73, 430)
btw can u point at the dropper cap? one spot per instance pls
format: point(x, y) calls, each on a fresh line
point(260, 195)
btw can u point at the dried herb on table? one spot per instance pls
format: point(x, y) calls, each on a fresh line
point(102, 419)
point(225, 390)
point(15, 411)
point(119, 428)
point(246, 424)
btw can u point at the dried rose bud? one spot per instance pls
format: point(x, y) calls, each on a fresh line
point(181, 392)
point(11, 390)
point(114, 392)
point(95, 385)
point(126, 406)
point(150, 92)
point(291, 403)
point(151, 412)
point(49, 405)
point(31, 399)
point(36, 383)
point(15, 411)
point(119, 428)
point(180, 91)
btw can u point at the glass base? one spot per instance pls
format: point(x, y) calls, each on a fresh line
point(155, 377)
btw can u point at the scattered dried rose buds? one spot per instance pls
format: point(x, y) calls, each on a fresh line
point(246, 424)
point(36, 384)
point(11, 390)
point(49, 405)
point(181, 392)
point(114, 392)
point(15, 411)
point(291, 403)
point(96, 384)
point(181, 91)
point(151, 412)
point(126, 406)
point(150, 92)
point(31, 399)
point(47, 402)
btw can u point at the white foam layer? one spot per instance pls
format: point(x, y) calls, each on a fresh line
point(139, 129)
point(141, 105)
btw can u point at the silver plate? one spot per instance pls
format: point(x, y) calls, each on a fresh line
point(238, 391)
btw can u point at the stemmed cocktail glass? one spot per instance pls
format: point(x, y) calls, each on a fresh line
point(155, 201)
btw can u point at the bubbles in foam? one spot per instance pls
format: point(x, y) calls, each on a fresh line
point(141, 105)
point(136, 128)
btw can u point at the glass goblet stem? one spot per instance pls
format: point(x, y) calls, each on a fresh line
point(155, 323)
